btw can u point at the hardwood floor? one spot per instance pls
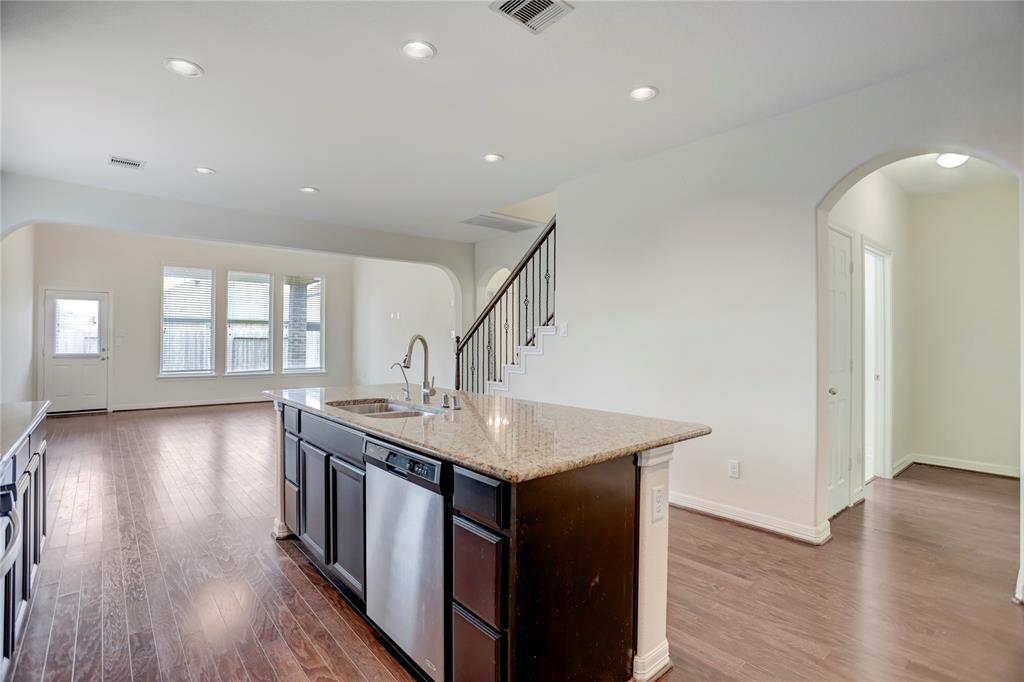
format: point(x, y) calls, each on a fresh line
point(914, 585)
point(160, 566)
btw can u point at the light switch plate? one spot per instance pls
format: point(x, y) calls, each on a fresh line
point(734, 468)
point(658, 503)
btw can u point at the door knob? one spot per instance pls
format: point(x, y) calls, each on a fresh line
point(833, 391)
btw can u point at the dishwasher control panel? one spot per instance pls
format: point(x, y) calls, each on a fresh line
point(404, 462)
point(409, 465)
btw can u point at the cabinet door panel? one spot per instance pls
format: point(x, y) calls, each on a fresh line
point(313, 496)
point(347, 544)
point(478, 570)
point(291, 507)
point(291, 458)
point(476, 649)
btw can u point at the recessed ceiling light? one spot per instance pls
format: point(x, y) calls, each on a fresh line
point(183, 67)
point(643, 93)
point(418, 49)
point(949, 160)
point(309, 190)
point(493, 158)
point(203, 170)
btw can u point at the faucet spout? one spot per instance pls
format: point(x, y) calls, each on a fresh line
point(428, 385)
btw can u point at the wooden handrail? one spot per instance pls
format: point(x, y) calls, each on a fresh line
point(508, 283)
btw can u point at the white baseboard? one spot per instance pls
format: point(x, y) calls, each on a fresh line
point(967, 465)
point(899, 466)
point(652, 664)
point(773, 524)
point(185, 403)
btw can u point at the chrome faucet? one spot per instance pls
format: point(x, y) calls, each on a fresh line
point(428, 384)
point(408, 395)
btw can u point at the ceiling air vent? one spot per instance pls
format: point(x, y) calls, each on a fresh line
point(122, 162)
point(496, 221)
point(535, 15)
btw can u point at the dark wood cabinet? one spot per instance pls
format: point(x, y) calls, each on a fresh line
point(347, 542)
point(478, 570)
point(313, 499)
point(476, 649)
point(291, 507)
point(291, 458)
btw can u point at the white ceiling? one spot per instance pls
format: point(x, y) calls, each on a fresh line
point(920, 175)
point(319, 93)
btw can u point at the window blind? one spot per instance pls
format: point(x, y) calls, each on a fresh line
point(247, 348)
point(186, 339)
point(303, 328)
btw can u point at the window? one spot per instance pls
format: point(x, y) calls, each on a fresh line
point(247, 348)
point(303, 324)
point(186, 338)
point(76, 326)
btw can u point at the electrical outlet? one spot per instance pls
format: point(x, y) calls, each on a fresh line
point(734, 468)
point(657, 503)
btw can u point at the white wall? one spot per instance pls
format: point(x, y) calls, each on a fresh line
point(965, 308)
point(16, 333)
point(27, 200)
point(878, 210)
point(689, 279)
point(392, 302)
point(128, 266)
point(494, 254)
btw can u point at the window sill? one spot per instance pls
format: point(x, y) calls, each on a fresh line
point(188, 375)
point(304, 371)
point(232, 375)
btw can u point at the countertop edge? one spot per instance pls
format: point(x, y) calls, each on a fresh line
point(522, 476)
point(36, 419)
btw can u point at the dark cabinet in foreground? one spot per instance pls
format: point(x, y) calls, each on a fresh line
point(313, 499)
point(347, 541)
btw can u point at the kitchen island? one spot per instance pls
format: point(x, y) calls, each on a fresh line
point(505, 540)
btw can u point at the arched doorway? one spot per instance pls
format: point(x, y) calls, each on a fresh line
point(881, 384)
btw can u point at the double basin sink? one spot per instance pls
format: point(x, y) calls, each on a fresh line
point(385, 409)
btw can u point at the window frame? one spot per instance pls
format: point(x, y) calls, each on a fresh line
point(270, 327)
point(192, 374)
point(322, 369)
point(50, 347)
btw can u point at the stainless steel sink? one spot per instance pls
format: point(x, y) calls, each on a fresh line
point(384, 409)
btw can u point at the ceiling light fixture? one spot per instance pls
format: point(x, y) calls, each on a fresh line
point(183, 67)
point(309, 190)
point(493, 158)
point(419, 49)
point(203, 170)
point(950, 160)
point(644, 93)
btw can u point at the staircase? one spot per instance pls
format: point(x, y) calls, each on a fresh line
point(513, 324)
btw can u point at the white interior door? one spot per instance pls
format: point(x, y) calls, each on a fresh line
point(876, 333)
point(840, 368)
point(75, 350)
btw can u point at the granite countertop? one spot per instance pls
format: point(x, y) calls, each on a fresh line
point(17, 420)
point(513, 440)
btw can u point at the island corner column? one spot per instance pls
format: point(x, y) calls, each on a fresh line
point(652, 655)
point(279, 531)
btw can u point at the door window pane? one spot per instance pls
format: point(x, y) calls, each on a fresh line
point(303, 309)
point(76, 326)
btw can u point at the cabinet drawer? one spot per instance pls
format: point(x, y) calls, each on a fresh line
point(332, 437)
point(478, 571)
point(291, 418)
point(291, 507)
point(21, 458)
point(481, 498)
point(291, 458)
point(476, 649)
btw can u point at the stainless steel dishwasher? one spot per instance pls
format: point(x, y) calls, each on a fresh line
point(405, 595)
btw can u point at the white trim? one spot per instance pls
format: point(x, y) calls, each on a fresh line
point(966, 465)
point(304, 371)
point(186, 375)
point(652, 664)
point(1018, 594)
point(187, 403)
point(899, 466)
point(260, 373)
point(869, 245)
point(797, 531)
point(655, 456)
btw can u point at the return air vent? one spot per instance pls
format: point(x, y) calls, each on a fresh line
point(535, 15)
point(122, 162)
point(496, 221)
